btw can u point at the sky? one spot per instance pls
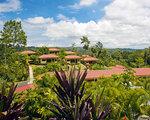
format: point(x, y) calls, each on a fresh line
point(61, 23)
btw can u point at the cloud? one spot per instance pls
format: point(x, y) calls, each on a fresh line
point(40, 20)
point(83, 3)
point(87, 2)
point(62, 17)
point(126, 24)
point(10, 5)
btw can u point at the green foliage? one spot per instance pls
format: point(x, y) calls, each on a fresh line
point(12, 65)
point(73, 47)
point(16, 69)
point(147, 56)
point(47, 81)
point(97, 49)
point(37, 100)
point(85, 41)
point(72, 104)
point(40, 70)
point(62, 54)
point(97, 66)
point(123, 95)
point(53, 66)
point(34, 59)
point(43, 50)
point(13, 34)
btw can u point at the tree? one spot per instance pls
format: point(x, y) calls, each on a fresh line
point(13, 34)
point(97, 49)
point(43, 50)
point(117, 54)
point(147, 56)
point(12, 37)
point(73, 47)
point(85, 41)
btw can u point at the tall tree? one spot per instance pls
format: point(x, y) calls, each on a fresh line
point(97, 49)
point(85, 41)
point(12, 37)
point(73, 47)
point(13, 34)
point(11, 66)
point(147, 56)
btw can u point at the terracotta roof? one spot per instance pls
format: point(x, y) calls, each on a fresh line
point(118, 67)
point(25, 87)
point(95, 74)
point(72, 57)
point(54, 49)
point(28, 52)
point(48, 56)
point(70, 52)
point(85, 56)
point(142, 71)
point(89, 59)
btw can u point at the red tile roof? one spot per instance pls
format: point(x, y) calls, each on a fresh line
point(48, 56)
point(54, 49)
point(28, 52)
point(70, 52)
point(72, 57)
point(89, 59)
point(118, 67)
point(142, 71)
point(95, 74)
point(85, 56)
point(25, 87)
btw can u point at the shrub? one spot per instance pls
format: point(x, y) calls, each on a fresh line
point(72, 104)
point(8, 109)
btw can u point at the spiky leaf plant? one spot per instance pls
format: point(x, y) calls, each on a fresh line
point(100, 108)
point(72, 104)
point(99, 111)
point(70, 92)
point(8, 109)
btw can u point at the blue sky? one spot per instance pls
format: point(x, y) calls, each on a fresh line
point(51, 8)
point(116, 23)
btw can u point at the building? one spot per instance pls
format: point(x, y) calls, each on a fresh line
point(116, 70)
point(89, 59)
point(73, 58)
point(54, 50)
point(48, 58)
point(28, 52)
point(70, 53)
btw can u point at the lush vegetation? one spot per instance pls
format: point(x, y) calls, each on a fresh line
point(126, 94)
point(8, 109)
point(67, 96)
point(110, 57)
point(13, 67)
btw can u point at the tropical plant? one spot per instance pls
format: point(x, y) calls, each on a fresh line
point(8, 109)
point(72, 103)
point(123, 98)
point(85, 41)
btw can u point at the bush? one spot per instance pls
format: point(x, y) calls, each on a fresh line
point(34, 59)
point(40, 70)
point(53, 66)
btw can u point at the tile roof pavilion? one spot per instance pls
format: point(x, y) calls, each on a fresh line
point(48, 56)
point(28, 52)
